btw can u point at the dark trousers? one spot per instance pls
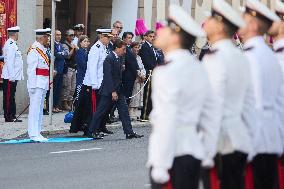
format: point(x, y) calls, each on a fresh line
point(104, 120)
point(230, 169)
point(184, 174)
point(128, 89)
point(58, 81)
point(83, 110)
point(9, 103)
point(265, 171)
point(104, 105)
point(147, 101)
point(233, 170)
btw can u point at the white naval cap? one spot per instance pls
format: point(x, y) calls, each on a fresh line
point(222, 10)
point(104, 31)
point(185, 21)
point(46, 31)
point(79, 27)
point(279, 9)
point(14, 29)
point(258, 9)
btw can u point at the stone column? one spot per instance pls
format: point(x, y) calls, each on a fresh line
point(27, 20)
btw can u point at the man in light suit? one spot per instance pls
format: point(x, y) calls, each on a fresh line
point(267, 81)
point(227, 66)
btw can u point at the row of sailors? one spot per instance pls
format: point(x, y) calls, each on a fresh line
point(231, 106)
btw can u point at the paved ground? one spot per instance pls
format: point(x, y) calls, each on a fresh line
point(13, 130)
point(117, 163)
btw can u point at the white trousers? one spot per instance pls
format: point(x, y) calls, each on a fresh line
point(36, 111)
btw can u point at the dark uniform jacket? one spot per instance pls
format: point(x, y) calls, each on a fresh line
point(112, 79)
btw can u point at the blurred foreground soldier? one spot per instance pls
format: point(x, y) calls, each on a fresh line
point(227, 66)
point(182, 138)
point(38, 83)
point(11, 74)
point(277, 31)
point(88, 97)
point(111, 92)
point(267, 81)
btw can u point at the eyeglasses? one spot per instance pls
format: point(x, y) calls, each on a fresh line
point(119, 27)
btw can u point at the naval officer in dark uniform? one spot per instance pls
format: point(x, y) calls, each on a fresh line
point(111, 92)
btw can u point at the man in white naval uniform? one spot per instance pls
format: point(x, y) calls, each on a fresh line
point(79, 30)
point(37, 83)
point(92, 82)
point(185, 114)
point(12, 73)
point(277, 32)
point(229, 73)
point(267, 81)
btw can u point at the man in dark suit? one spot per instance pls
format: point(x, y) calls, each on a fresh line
point(131, 67)
point(150, 59)
point(59, 64)
point(111, 91)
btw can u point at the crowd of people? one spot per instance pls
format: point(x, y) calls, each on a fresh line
point(222, 109)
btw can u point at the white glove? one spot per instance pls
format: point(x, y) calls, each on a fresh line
point(207, 163)
point(250, 157)
point(160, 175)
point(32, 91)
point(94, 87)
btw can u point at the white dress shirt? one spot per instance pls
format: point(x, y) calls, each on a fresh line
point(36, 61)
point(267, 81)
point(185, 115)
point(229, 73)
point(13, 61)
point(94, 73)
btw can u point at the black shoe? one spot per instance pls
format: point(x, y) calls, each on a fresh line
point(93, 136)
point(13, 120)
point(108, 121)
point(105, 131)
point(133, 135)
point(45, 112)
point(113, 119)
point(17, 120)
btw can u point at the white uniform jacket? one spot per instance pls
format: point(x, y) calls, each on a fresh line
point(229, 73)
point(38, 67)
point(278, 47)
point(185, 115)
point(13, 61)
point(267, 82)
point(94, 73)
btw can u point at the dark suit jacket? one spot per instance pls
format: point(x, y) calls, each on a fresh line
point(110, 47)
point(60, 56)
point(112, 80)
point(148, 57)
point(81, 58)
point(131, 66)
